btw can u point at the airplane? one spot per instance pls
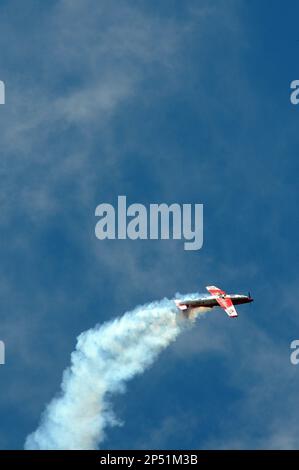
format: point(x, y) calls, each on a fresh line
point(217, 298)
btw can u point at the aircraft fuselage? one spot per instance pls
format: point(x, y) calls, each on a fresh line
point(212, 302)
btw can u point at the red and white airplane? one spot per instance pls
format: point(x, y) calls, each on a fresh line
point(217, 298)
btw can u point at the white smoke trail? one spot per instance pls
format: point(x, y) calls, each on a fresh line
point(105, 358)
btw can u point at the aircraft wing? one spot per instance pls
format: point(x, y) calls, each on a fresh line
point(215, 290)
point(227, 305)
point(223, 301)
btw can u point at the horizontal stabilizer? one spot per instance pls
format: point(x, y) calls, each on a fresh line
point(180, 305)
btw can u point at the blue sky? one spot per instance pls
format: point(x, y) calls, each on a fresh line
point(167, 101)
